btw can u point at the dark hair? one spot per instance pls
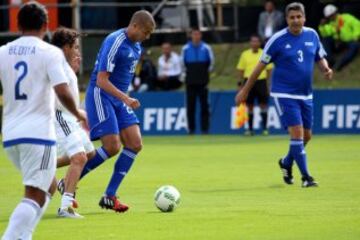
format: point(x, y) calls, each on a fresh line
point(254, 35)
point(270, 1)
point(64, 36)
point(295, 6)
point(195, 29)
point(32, 16)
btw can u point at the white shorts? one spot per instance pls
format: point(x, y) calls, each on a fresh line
point(37, 164)
point(71, 137)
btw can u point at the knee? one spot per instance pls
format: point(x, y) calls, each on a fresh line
point(79, 159)
point(135, 146)
point(112, 148)
point(52, 188)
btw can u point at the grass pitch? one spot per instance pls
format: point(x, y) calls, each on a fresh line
point(231, 188)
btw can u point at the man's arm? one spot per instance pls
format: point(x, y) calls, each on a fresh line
point(243, 93)
point(324, 68)
point(63, 93)
point(240, 77)
point(104, 83)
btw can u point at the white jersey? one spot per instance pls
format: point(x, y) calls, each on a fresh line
point(29, 69)
point(73, 85)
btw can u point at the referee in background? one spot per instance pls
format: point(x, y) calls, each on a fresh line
point(247, 62)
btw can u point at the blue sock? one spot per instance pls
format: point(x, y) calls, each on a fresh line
point(121, 168)
point(100, 157)
point(297, 151)
point(288, 161)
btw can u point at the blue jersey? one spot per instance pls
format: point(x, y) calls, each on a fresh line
point(293, 57)
point(118, 55)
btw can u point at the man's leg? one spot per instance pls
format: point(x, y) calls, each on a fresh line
point(131, 138)
point(191, 107)
point(205, 109)
point(110, 147)
point(352, 49)
point(37, 164)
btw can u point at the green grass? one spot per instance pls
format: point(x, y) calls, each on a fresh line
point(231, 189)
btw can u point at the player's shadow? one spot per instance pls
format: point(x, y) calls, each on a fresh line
point(55, 217)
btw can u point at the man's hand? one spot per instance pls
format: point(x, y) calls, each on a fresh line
point(132, 102)
point(241, 96)
point(328, 74)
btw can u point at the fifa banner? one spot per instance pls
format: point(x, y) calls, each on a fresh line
point(164, 113)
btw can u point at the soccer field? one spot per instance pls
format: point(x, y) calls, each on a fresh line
point(231, 188)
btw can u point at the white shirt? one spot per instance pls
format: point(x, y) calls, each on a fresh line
point(171, 67)
point(29, 69)
point(73, 85)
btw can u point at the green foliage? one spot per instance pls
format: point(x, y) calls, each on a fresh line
point(230, 190)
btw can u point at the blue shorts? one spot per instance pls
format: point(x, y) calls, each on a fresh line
point(294, 112)
point(106, 115)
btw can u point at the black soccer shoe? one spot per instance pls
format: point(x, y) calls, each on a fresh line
point(309, 182)
point(287, 173)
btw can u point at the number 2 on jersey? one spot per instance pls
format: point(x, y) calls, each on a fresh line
point(23, 69)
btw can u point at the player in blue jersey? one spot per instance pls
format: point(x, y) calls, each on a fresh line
point(293, 50)
point(110, 109)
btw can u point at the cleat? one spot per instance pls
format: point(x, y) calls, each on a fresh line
point(287, 173)
point(61, 186)
point(68, 212)
point(309, 182)
point(112, 203)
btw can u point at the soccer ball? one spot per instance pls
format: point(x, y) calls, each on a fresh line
point(167, 198)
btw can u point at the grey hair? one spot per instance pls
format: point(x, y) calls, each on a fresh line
point(295, 6)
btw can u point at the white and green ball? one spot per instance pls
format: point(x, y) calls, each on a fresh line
point(167, 198)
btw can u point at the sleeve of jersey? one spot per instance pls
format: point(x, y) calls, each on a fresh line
point(269, 52)
point(320, 51)
point(55, 68)
point(108, 54)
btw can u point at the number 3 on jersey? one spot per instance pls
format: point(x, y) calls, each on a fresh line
point(300, 56)
point(22, 68)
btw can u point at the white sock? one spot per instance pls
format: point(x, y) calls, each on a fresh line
point(67, 200)
point(21, 219)
point(27, 235)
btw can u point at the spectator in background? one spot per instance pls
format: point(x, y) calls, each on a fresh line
point(339, 32)
point(169, 69)
point(198, 60)
point(270, 21)
point(247, 63)
point(145, 74)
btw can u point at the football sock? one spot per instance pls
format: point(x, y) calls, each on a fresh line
point(21, 219)
point(288, 160)
point(250, 122)
point(297, 151)
point(264, 116)
point(121, 168)
point(100, 156)
point(27, 235)
point(67, 200)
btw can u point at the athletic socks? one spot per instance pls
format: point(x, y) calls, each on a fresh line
point(121, 168)
point(264, 116)
point(67, 200)
point(22, 219)
point(27, 235)
point(250, 122)
point(100, 156)
point(297, 151)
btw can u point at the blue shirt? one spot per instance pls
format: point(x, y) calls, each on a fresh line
point(119, 56)
point(293, 57)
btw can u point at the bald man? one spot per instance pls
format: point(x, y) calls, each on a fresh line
point(110, 109)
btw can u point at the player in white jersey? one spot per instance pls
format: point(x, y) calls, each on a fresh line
point(30, 71)
point(73, 142)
